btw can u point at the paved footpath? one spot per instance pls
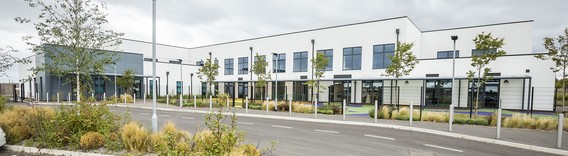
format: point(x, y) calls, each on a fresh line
point(536, 138)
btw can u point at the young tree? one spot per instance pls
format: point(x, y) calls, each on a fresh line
point(557, 52)
point(207, 73)
point(127, 81)
point(7, 60)
point(489, 49)
point(318, 63)
point(71, 35)
point(402, 63)
point(259, 69)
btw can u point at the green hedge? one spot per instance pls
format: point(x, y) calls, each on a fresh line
point(472, 121)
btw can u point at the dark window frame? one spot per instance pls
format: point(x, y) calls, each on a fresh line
point(384, 55)
point(243, 65)
point(352, 56)
point(301, 60)
point(281, 60)
point(447, 54)
point(229, 66)
point(329, 55)
point(480, 52)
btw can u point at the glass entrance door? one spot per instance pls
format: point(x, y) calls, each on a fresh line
point(488, 94)
point(300, 91)
point(371, 91)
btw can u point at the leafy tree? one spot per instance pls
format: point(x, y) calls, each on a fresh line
point(127, 81)
point(490, 51)
point(557, 52)
point(207, 73)
point(259, 69)
point(402, 63)
point(318, 64)
point(71, 33)
point(7, 60)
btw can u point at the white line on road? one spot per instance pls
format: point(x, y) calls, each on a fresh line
point(380, 137)
point(144, 114)
point(164, 115)
point(326, 131)
point(246, 123)
point(277, 126)
point(440, 147)
point(190, 118)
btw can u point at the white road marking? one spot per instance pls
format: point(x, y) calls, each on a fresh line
point(144, 114)
point(277, 126)
point(246, 123)
point(440, 147)
point(380, 137)
point(190, 118)
point(164, 115)
point(326, 131)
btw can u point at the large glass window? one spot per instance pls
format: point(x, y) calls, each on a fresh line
point(371, 91)
point(300, 91)
point(381, 55)
point(479, 52)
point(329, 55)
point(230, 89)
point(178, 87)
point(281, 89)
point(243, 89)
point(229, 66)
point(99, 85)
point(301, 61)
point(488, 94)
point(243, 65)
point(438, 92)
point(281, 58)
point(447, 54)
point(352, 58)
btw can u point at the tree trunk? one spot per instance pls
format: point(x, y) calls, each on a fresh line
point(563, 89)
point(78, 83)
point(396, 93)
point(477, 95)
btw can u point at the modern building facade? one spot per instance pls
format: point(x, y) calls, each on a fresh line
point(359, 54)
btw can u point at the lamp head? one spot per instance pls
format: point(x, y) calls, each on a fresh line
point(313, 41)
point(454, 37)
point(250, 48)
point(397, 31)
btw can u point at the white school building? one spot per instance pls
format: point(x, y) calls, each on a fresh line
point(358, 55)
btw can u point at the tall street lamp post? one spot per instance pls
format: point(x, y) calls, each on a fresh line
point(454, 38)
point(250, 71)
point(191, 84)
point(275, 56)
point(154, 115)
point(181, 83)
point(313, 56)
point(167, 88)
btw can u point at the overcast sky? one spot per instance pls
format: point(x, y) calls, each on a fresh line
point(192, 23)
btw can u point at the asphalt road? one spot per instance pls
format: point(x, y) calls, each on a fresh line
point(307, 138)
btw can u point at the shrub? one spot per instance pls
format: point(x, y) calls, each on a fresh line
point(302, 108)
point(15, 124)
point(545, 123)
point(334, 107)
point(283, 106)
point(565, 124)
point(435, 117)
point(325, 111)
point(129, 98)
point(385, 112)
point(172, 141)
point(518, 120)
point(460, 121)
point(3, 105)
point(270, 106)
point(135, 137)
point(91, 140)
point(71, 122)
point(113, 142)
point(380, 114)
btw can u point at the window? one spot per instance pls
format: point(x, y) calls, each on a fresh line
point(243, 65)
point(479, 52)
point(229, 66)
point(381, 55)
point(99, 85)
point(448, 54)
point(301, 61)
point(178, 87)
point(151, 86)
point(281, 63)
point(352, 58)
point(329, 55)
point(371, 91)
point(438, 92)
